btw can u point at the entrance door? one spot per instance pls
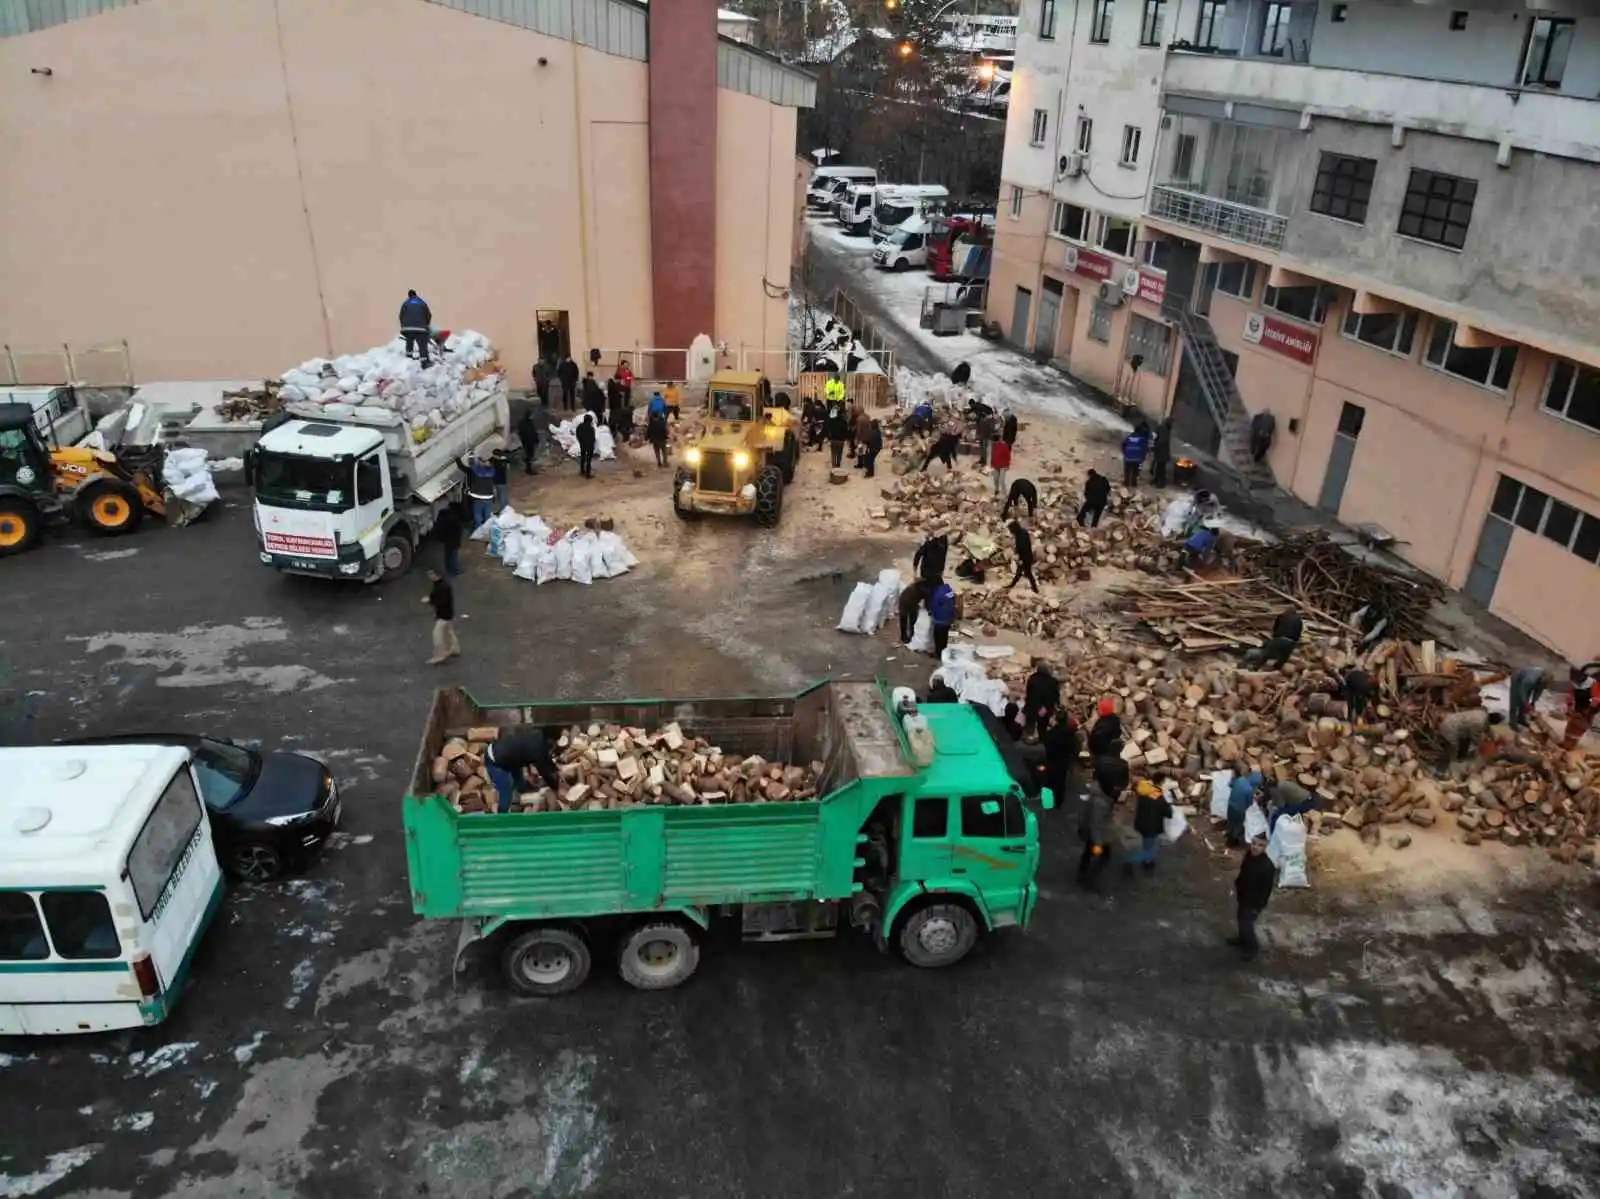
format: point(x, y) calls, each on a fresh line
point(1191, 416)
point(1489, 558)
point(1044, 331)
point(1019, 317)
point(1208, 288)
point(1183, 267)
point(1343, 453)
point(553, 333)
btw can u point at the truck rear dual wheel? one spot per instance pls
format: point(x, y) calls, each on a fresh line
point(939, 934)
point(769, 496)
point(19, 526)
point(657, 955)
point(549, 960)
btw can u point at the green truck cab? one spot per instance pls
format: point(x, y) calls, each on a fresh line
point(924, 858)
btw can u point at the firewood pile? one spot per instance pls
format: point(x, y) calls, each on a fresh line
point(1188, 720)
point(1201, 615)
point(1322, 573)
point(963, 502)
point(612, 766)
point(250, 403)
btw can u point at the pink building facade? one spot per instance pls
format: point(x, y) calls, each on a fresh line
point(235, 187)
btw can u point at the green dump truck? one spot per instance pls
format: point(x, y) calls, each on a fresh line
point(923, 858)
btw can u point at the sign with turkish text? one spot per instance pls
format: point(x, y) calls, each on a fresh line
point(1282, 337)
point(1152, 286)
point(1088, 264)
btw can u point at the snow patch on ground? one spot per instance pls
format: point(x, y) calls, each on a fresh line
point(209, 656)
point(56, 1167)
point(157, 1061)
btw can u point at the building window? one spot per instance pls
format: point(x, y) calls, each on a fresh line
point(1069, 221)
point(1100, 321)
point(1154, 23)
point(1100, 22)
point(1393, 332)
point(1183, 157)
point(1487, 366)
point(1149, 338)
point(1085, 134)
point(1573, 393)
point(1041, 124)
point(1351, 418)
point(1237, 279)
point(1438, 208)
point(1309, 304)
point(1549, 40)
point(1344, 187)
point(1275, 30)
point(1155, 253)
point(1458, 20)
point(1208, 32)
point(1016, 201)
point(1115, 235)
point(1341, 13)
point(1047, 19)
point(1531, 509)
point(1131, 137)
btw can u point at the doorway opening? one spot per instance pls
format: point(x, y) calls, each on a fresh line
point(554, 335)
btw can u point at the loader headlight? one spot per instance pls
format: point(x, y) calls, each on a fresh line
point(741, 460)
point(692, 455)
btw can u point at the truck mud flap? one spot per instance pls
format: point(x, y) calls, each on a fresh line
point(470, 933)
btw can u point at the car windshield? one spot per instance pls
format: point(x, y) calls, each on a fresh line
point(899, 237)
point(731, 405)
point(225, 772)
point(893, 214)
point(295, 481)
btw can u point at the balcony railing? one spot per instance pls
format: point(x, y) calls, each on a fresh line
point(1236, 222)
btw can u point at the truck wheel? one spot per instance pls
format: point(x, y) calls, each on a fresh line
point(679, 478)
point(657, 955)
point(791, 456)
point(769, 496)
point(546, 961)
point(19, 526)
point(940, 934)
point(394, 559)
point(110, 507)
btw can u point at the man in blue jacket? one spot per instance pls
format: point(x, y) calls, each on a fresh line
point(1134, 448)
point(416, 323)
point(1241, 794)
point(942, 608)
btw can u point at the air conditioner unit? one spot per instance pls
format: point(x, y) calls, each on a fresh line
point(1110, 293)
point(1069, 166)
point(1130, 281)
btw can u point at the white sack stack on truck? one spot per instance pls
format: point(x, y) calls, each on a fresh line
point(348, 486)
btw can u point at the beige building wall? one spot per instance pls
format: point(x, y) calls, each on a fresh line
point(235, 187)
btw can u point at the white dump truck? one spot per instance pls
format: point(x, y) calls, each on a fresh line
point(348, 492)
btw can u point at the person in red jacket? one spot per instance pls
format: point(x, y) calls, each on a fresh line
point(999, 463)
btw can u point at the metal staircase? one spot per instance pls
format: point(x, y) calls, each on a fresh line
point(1222, 397)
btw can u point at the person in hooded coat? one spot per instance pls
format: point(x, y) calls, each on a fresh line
point(1096, 493)
point(528, 435)
point(567, 376)
point(1041, 697)
point(416, 324)
point(1161, 453)
point(1105, 737)
point(929, 560)
point(594, 400)
point(944, 449)
point(872, 448)
point(614, 407)
point(1134, 448)
point(585, 434)
point(655, 428)
point(1023, 544)
point(912, 599)
point(836, 426)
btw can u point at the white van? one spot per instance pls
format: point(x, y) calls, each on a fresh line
point(895, 206)
point(828, 183)
point(905, 247)
point(108, 881)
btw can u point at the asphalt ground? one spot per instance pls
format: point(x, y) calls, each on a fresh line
point(1381, 1046)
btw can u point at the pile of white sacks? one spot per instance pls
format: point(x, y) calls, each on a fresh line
point(383, 378)
point(871, 604)
point(187, 474)
point(566, 436)
point(537, 553)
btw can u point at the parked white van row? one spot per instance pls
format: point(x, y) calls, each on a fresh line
point(828, 184)
point(108, 881)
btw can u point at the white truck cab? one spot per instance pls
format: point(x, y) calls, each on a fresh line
point(853, 209)
point(108, 882)
point(895, 206)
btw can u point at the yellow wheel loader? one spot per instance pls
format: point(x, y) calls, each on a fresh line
point(746, 456)
point(40, 484)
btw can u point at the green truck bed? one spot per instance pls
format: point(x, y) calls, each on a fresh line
point(587, 863)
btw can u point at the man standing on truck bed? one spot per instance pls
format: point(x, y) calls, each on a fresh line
point(511, 757)
point(416, 321)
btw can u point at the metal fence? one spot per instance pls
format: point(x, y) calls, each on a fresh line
point(1236, 222)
